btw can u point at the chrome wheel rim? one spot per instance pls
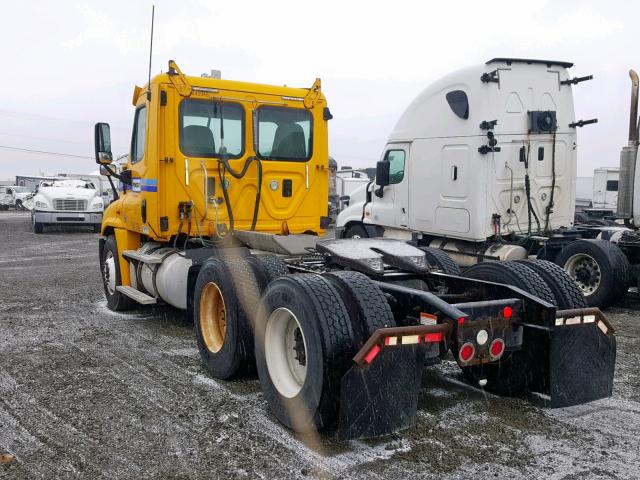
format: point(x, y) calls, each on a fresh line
point(286, 352)
point(585, 271)
point(109, 273)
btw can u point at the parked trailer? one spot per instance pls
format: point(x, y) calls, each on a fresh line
point(338, 330)
point(491, 150)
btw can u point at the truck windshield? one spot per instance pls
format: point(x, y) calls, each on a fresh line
point(284, 134)
point(203, 134)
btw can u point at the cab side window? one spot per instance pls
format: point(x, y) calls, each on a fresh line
point(396, 165)
point(139, 135)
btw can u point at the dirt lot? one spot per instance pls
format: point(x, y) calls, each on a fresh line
point(86, 393)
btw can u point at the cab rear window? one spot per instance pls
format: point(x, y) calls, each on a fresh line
point(209, 129)
point(284, 134)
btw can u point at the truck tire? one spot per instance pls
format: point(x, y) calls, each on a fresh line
point(355, 231)
point(272, 266)
point(441, 260)
point(367, 306)
point(565, 290)
point(599, 268)
point(512, 273)
point(514, 373)
point(110, 268)
point(304, 346)
point(38, 227)
point(223, 332)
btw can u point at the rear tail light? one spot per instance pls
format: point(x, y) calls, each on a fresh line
point(466, 353)
point(497, 348)
point(373, 353)
point(507, 312)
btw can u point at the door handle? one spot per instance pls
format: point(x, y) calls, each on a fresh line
point(454, 172)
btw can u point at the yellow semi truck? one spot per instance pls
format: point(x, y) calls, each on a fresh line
point(222, 213)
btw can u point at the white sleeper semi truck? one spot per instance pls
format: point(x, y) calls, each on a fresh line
point(482, 166)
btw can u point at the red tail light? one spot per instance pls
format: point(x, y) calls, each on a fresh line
point(467, 351)
point(373, 353)
point(507, 312)
point(497, 348)
point(433, 337)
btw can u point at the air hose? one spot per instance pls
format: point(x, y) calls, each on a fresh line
point(223, 168)
point(549, 209)
point(527, 189)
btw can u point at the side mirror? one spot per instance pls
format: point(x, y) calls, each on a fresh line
point(105, 171)
point(382, 173)
point(102, 139)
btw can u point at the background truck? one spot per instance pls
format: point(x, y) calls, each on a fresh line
point(342, 184)
point(222, 216)
point(602, 207)
point(482, 165)
point(66, 202)
point(13, 197)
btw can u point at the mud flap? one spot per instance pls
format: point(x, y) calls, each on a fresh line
point(381, 397)
point(582, 361)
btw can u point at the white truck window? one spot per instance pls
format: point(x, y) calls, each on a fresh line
point(396, 160)
point(459, 103)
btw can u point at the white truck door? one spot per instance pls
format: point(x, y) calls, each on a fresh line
point(391, 209)
point(599, 186)
point(611, 195)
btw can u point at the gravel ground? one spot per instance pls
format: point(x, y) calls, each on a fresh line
point(87, 393)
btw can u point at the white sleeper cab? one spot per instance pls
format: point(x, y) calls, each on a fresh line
point(482, 165)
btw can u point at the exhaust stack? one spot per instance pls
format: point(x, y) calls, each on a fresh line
point(628, 156)
point(633, 116)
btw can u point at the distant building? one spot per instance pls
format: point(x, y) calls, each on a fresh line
point(31, 182)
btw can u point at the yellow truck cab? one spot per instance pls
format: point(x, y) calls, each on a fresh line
point(191, 135)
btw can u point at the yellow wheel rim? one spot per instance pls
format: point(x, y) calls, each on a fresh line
point(213, 320)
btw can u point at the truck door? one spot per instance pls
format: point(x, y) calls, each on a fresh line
point(391, 209)
point(599, 185)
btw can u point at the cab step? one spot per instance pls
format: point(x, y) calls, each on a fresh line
point(140, 297)
point(141, 257)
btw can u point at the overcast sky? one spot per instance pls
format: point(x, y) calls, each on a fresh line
point(68, 64)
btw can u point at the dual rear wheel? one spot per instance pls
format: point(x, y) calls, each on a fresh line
point(299, 332)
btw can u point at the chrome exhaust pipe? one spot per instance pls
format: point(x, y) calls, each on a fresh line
point(633, 113)
point(628, 155)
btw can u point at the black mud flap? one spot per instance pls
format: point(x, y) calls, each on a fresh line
point(582, 362)
point(382, 397)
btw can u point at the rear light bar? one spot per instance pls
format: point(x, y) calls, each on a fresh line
point(581, 316)
point(396, 336)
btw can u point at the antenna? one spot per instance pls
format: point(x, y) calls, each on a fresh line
point(153, 11)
